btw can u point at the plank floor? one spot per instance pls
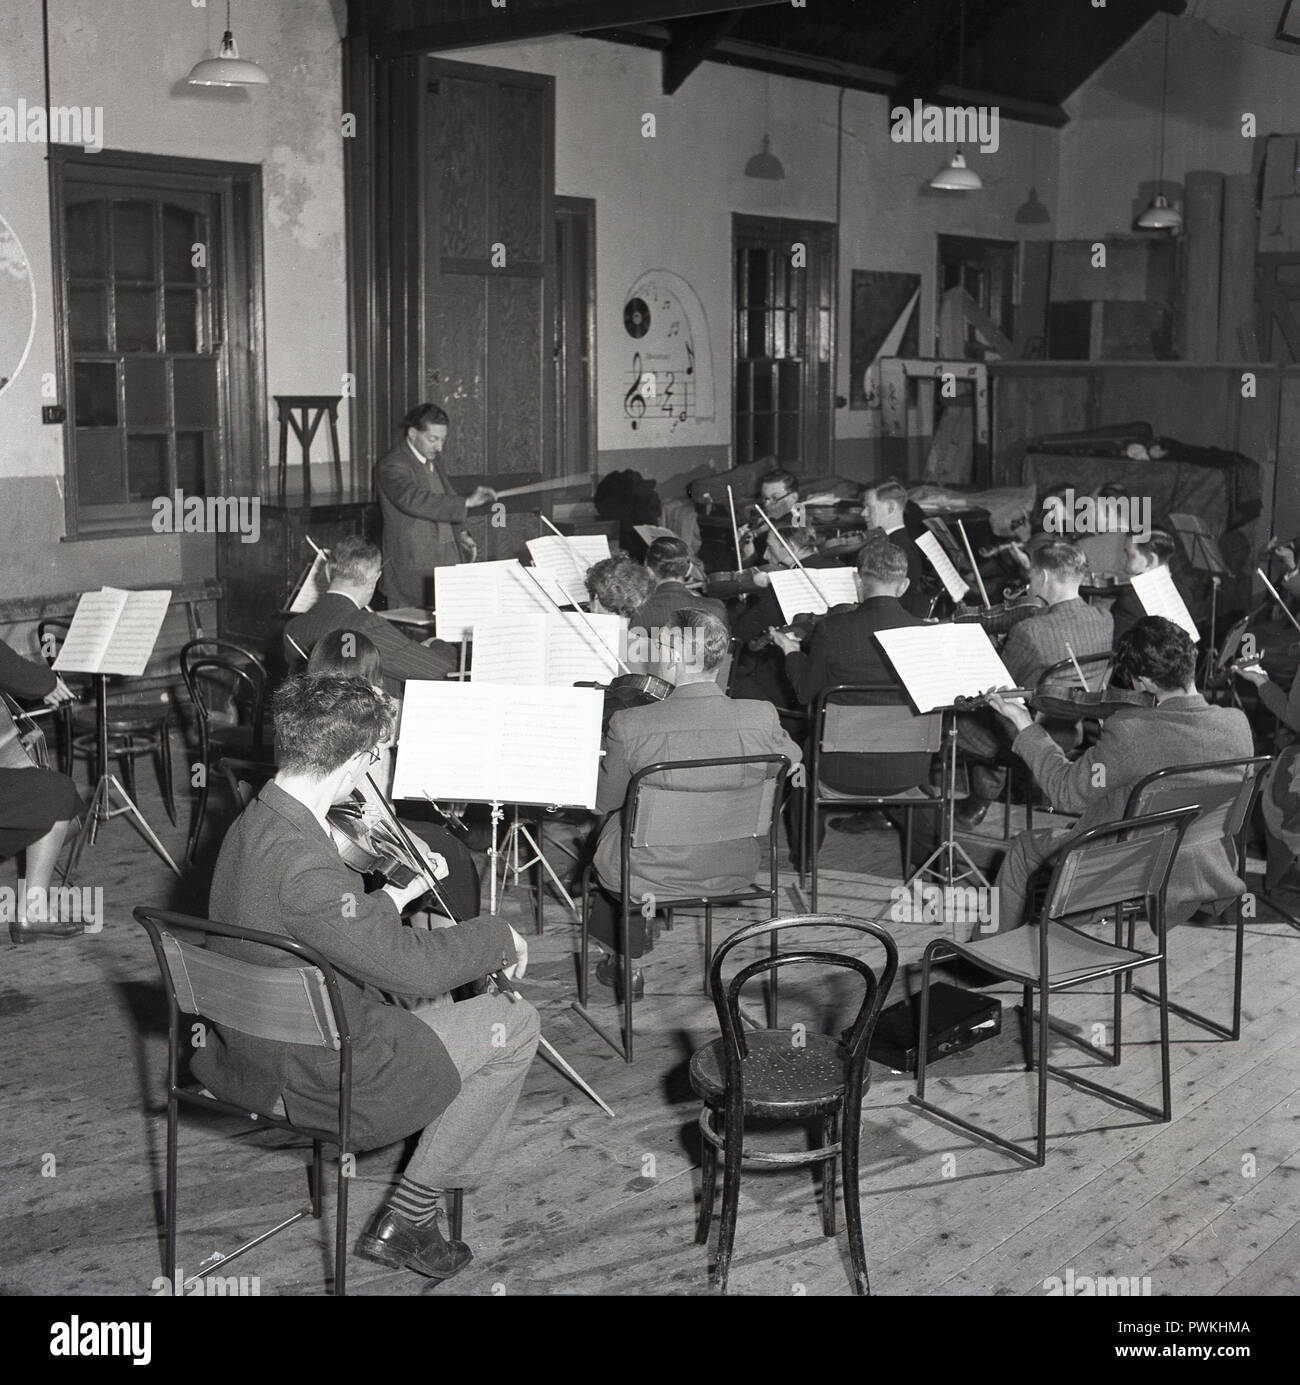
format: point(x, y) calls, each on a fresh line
point(585, 1205)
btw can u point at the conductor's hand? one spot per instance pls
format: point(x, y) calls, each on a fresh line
point(516, 973)
point(1013, 711)
point(62, 693)
point(480, 495)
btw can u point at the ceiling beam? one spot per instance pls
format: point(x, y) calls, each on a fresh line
point(690, 42)
point(940, 62)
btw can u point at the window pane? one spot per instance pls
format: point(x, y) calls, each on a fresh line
point(757, 278)
point(762, 390)
point(793, 340)
point(191, 450)
point(196, 393)
point(788, 444)
point(146, 465)
point(778, 328)
point(181, 231)
point(756, 342)
point(88, 319)
point(95, 393)
point(99, 468)
point(133, 245)
point(137, 319)
point(742, 389)
point(146, 392)
point(86, 245)
point(182, 321)
point(764, 435)
point(790, 382)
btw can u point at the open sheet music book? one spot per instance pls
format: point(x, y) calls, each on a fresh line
point(814, 592)
point(1159, 597)
point(1200, 544)
point(567, 560)
point(485, 743)
point(954, 583)
point(940, 663)
point(551, 650)
point(312, 585)
point(468, 593)
point(113, 631)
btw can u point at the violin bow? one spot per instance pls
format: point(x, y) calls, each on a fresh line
point(974, 566)
point(735, 532)
point(1286, 610)
point(780, 538)
point(416, 861)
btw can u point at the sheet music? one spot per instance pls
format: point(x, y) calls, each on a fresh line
point(468, 593)
point(939, 663)
point(797, 594)
point(556, 558)
point(953, 581)
point(113, 631)
point(482, 742)
point(1159, 597)
point(554, 650)
point(313, 586)
point(648, 533)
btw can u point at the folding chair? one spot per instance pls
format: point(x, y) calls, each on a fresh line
point(663, 815)
point(1226, 791)
point(1103, 868)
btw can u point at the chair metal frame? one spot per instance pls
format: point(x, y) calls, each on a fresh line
point(628, 825)
point(813, 802)
point(838, 1114)
point(206, 655)
point(1237, 813)
point(1160, 832)
point(159, 924)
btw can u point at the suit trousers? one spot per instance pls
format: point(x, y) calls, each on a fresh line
point(1023, 860)
point(491, 1040)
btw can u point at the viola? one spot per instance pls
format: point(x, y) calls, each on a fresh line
point(1068, 704)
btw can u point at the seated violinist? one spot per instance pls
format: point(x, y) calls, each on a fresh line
point(1157, 657)
point(618, 586)
point(778, 495)
point(451, 1072)
point(883, 506)
point(670, 564)
point(1147, 554)
point(354, 568)
point(1279, 797)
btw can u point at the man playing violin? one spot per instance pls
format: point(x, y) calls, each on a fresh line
point(882, 508)
point(452, 1072)
point(778, 495)
point(1140, 555)
point(1157, 657)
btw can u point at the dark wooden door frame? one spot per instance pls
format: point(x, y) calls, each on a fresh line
point(582, 210)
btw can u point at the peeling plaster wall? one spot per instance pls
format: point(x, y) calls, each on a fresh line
point(132, 59)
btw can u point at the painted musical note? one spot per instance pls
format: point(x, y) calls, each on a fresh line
point(690, 358)
point(668, 406)
point(634, 401)
point(675, 327)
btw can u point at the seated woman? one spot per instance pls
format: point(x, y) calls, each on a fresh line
point(38, 808)
point(618, 586)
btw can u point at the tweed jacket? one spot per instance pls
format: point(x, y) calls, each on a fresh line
point(1135, 742)
point(1036, 644)
point(422, 516)
point(279, 871)
point(696, 722)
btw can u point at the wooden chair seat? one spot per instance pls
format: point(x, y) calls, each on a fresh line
point(782, 1081)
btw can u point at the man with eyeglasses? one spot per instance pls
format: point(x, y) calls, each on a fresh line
point(452, 1072)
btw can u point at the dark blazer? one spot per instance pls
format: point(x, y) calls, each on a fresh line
point(279, 871)
point(422, 516)
point(402, 658)
point(1126, 610)
point(921, 577)
point(844, 649)
point(1136, 742)
point(696, 722)
point(1036, 644)
point(667, 599)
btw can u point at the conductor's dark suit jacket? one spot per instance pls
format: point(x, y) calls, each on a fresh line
point(422, 516)
point(279, 871)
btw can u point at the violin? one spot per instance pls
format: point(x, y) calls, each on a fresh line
point(1067, 704)
point(801, 628)
point(1002, 618)
point(726, 585)
point(383, 848)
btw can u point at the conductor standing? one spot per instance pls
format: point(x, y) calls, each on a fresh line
point(423, 517)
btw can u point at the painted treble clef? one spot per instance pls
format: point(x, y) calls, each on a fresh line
point(634, 405)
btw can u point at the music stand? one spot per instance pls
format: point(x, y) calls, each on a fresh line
point(509, 850)
point(1203, 553)
point(948, 847)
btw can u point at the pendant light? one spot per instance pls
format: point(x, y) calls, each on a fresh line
point(765, 165)
point(955, 175)
point(227, 69)
point(1160, 216)
point(1031, 211)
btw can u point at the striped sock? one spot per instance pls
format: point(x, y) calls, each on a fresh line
point(415, 1202)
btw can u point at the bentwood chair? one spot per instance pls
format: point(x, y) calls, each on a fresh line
point(886, 729)
point(298, 1004)
point(219, 671)
point(1226, 791)
point(1102, 869)
point(664, 808)
point(766, 1075)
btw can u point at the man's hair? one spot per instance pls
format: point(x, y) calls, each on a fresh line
point(346, 654)
point(353, 559)
point(882, 561)
point(890, 491)
point(669, 559)
point(779, 477)
point(1153, 648)
point(1157, 545)
point(422, 416)
point(321, 723)
point(714, 637)
point(802, 539)
point(620, 584)
point(1060, 558)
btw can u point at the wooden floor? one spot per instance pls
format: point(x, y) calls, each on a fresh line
point(582, 1204)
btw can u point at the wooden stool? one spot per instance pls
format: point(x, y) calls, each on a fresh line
point(303, 413)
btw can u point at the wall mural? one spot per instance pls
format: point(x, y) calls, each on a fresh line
point(669, 373)
point(17, 305)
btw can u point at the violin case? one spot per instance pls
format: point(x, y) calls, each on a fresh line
point(958, 1020)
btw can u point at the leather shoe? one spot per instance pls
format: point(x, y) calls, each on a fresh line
point(609, 972)
point(35, 932)
point(970, 812)
point(393, 1240)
